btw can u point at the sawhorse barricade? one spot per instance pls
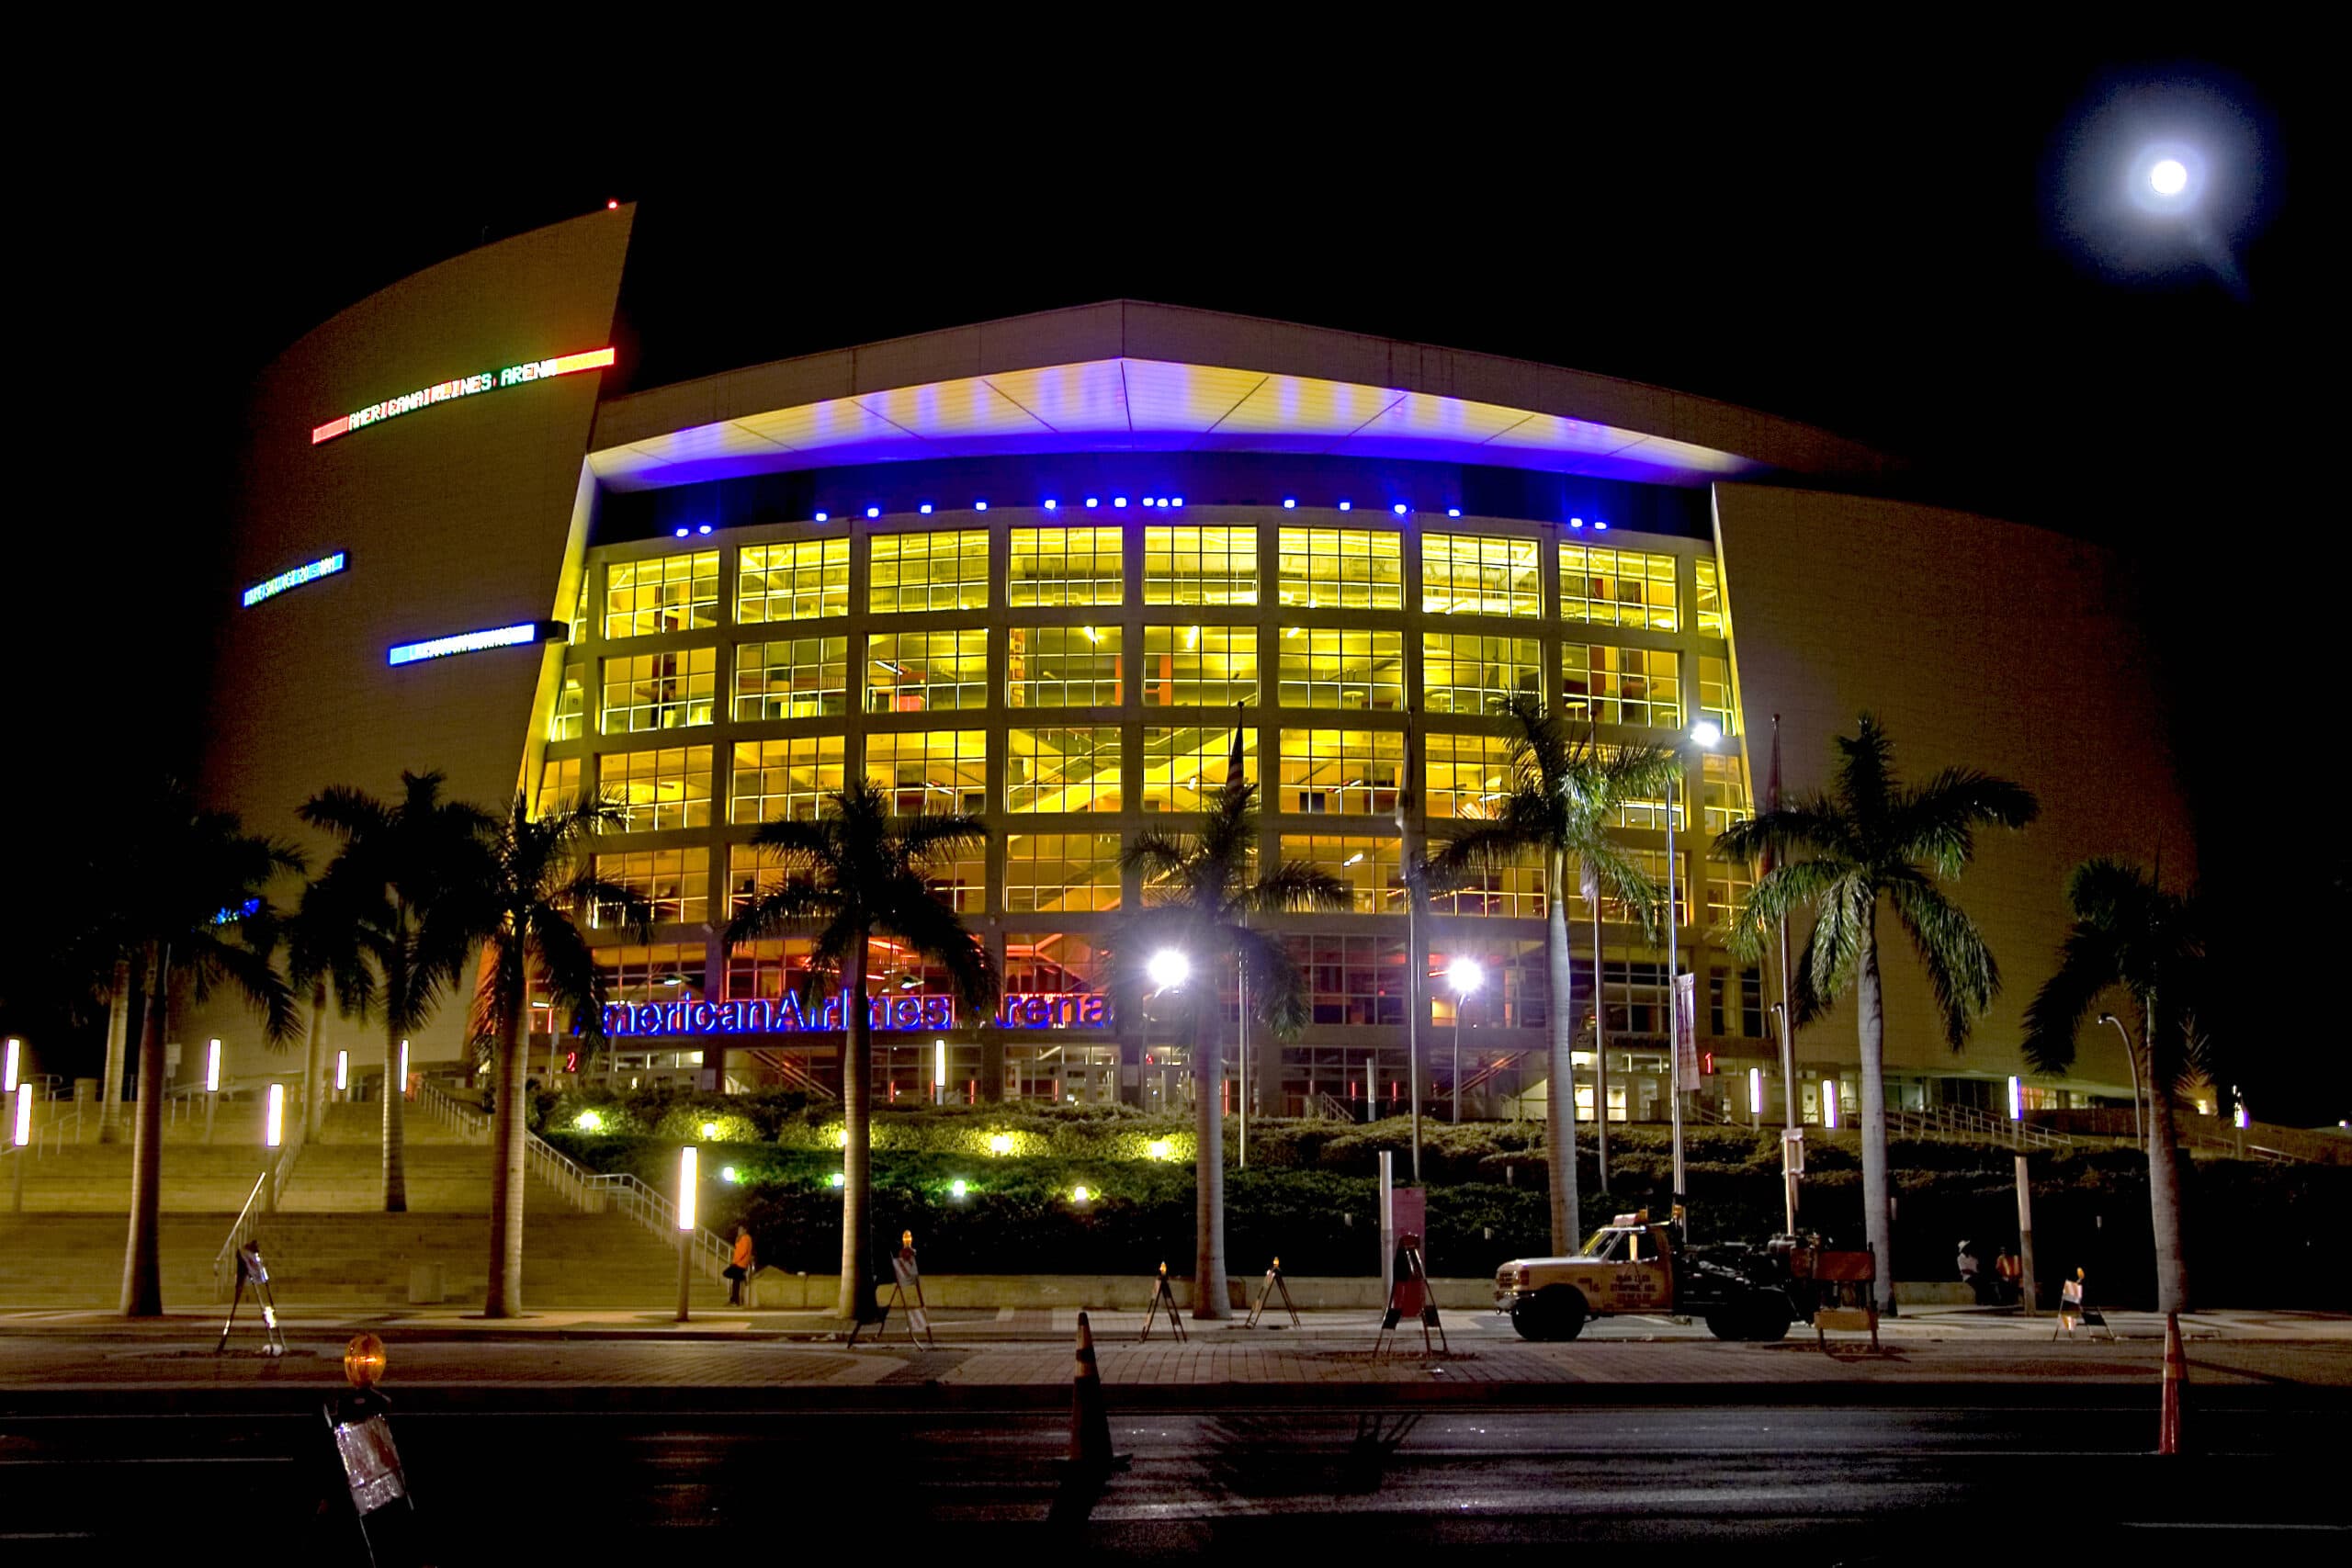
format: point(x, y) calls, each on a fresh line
point(1410, 1294)
point(2074, 1306)
point(905, 1291)
point(1838, 1278)
point(251, 1270)
point(1162, 1296)
point(1274, 1283)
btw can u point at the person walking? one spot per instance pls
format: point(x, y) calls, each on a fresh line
point(1968, 1271)
point(739, 1268)
point(2008, 1278)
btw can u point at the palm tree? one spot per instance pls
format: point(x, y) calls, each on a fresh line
point(543, 881)
point(1199, 895)
point(1872, 840)
point(2131, 934)
point(852, 875)
point(400, 907)
point(192, 899)
point(1565, 789)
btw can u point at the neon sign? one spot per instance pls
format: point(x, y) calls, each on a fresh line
point(1019, 1009)
point(325, 566)
point(474, 642)
point(463, 386)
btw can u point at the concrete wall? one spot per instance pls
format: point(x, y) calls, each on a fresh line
point(456, 517)
point(1976, 642)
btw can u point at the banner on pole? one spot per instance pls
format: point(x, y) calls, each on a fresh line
point(1686, 1032)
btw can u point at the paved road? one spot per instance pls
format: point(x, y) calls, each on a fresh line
point(1848, 1483)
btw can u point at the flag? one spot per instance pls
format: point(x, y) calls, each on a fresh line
point(1771, 798)
point(1233, 760)
point(1686, 1032)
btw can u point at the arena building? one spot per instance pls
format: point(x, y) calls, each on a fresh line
point(1056, 571)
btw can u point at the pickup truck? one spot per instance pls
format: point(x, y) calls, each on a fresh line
point(1636, 1264)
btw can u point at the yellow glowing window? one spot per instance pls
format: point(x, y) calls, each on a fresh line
point(1614, 909)
point(1056, 872)
point(804, 677)
point(1509, 892)
point(1340, 772)
point(1716, 700)
point(1349, 569)
point(1481, 574)
point(926, 672)
point(793, 778)
point(1725, 779)
point(928, 572)
point(1337, 666)
point(659, 790)
point(1063, 770)
point(1200, 566)
point(660, 691)
point(1617, 588)
point(1370, 867)
point(1468, 775)
point(1621, 686)
point(568, 720)
point(1199, 666)
point(1063, 667)
point(558, 789)
point(1065, 566)
point(1463, 673)
point(1728, 890)
point(1182, 767)
point(961, 882)
point(668, 593)
point(931, 773)
point(675, 881)
point(655, 972)
point(1709, 607)
point(582, 608)
point(799, 581)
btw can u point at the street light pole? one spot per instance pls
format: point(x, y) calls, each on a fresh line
point(1466, 977)
point(2132, 1060)
point(1705, 734)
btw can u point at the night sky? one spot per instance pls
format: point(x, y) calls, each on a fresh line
point(1903, 251)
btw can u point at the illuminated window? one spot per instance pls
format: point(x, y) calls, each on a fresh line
point(655, 972)
point(928, 572)
point(1063, 770)
point(1616, 588)
point(1513, 995)
point(926, 672)
point(1056, 963)
point(1716, 694)
point(1725, 783)
point(558, 789)
point(1370, 867)
point(930, 771)
point(799, 581)
point(961, 884)
point(1182, 767)
point(675, 881)
point(668, 788)
point(1350, 569)
point(1063, 667)
point(1341, 772)
point(1634, 996)
point(1648, 812)
point(1514, 890)
point(1710, 606)
point(1653, 865)
point(568, 718)
point(1199, 666)
point(583, 610)
point(793, 778)
point(668, 593)
point(751, 870)
point(1468, 775)
point(767, 969)
point(1728, 889)
point(807, 677)
point(1056, 872)
point(660, 691)
point(1621, 686)
point(1352, 979)
point(1468, 673)
point(1065, 566)
point(1200, 566)
point(1472, 574)
point(1334, 667)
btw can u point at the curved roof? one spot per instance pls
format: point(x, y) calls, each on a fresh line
point(1127, 376)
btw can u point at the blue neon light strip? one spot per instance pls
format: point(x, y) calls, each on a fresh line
point(326, 567)
point(474, 642)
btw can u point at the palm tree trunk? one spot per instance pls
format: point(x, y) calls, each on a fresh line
point(395, 1115)
point(1600, 1053)
point(1869, 1022)
point(2163, 1177)
point(856, 1301)
point(1210, 1293)
point(1560, 1102)
point(142, 1274)
point(506, 1183)
point(314, 1091)
point(117, 1039)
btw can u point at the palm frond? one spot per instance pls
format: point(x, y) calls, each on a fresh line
point(1962, 972)
point(1297, 885)
point(1937, 823)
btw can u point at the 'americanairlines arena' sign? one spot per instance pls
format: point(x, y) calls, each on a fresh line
point(1019, 1009)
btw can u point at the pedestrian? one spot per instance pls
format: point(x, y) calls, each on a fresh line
point(739, 1268)
point(2009, 1276)
point(1968, 1271)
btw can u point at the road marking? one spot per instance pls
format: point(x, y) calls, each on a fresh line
point(2223, 1525)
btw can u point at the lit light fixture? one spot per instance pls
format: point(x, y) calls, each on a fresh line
point(1706, 732)
point(1829, 1103)
point(840, 1179)
point(1118, 501)
point(1576, 522)
point(2016, 1098)
point(589, 1121)
point(1093, 500)
point(2168, 177)
point(1398, 509)
point(678, 532)
point(687, 1159)
point(874, 512)
point(1347, 506)
point(705, 528)
point(979, 506)
point(729, 1175)
point(1289, 504)
point(403, 1085)
point(22, 1133)
point(1598, 526)
point(610, 205)
point(2242, 1118)
point(1755, 1091)
point(1080, 1194)
point(1160, 1149)
point(1091, 635)
point(939, 1063)
point(1453, 512)
point(1464, 975)
point(1176, 500)
point(958, 1188)
point(1168, 969)
point(212, 1066)
point(1051, 503)
point(824, 517)
point(710, 1131)
point(925, 509)
point(1351, 860)
point(16, 1063)
point(342, 1070)
point(274, 1128)
point(1000, 1143)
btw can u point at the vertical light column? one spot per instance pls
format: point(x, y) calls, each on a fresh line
point(211, 1085)
point(272, 1138)
point(688, 1158)
point(20, 1134)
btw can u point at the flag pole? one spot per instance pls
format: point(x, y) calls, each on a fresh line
point(1787, 1051)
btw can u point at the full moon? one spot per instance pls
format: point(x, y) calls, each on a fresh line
point(2169, 176)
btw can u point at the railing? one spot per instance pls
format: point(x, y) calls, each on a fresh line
point(599, 1192)
point(468, 1124)
point(1487, 1073)
point(1965, 1121)
point(1332, 1109)
point(225, 1262)
point(793, 1075)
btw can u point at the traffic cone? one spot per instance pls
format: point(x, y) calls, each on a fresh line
point(2175, 1386)
point(1090, 1421)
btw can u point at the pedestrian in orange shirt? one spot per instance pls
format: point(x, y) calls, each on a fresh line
point(740, 1268)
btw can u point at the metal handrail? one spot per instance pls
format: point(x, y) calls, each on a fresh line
point(225, 1262)
point(598, 1192)
point(468, 1124)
